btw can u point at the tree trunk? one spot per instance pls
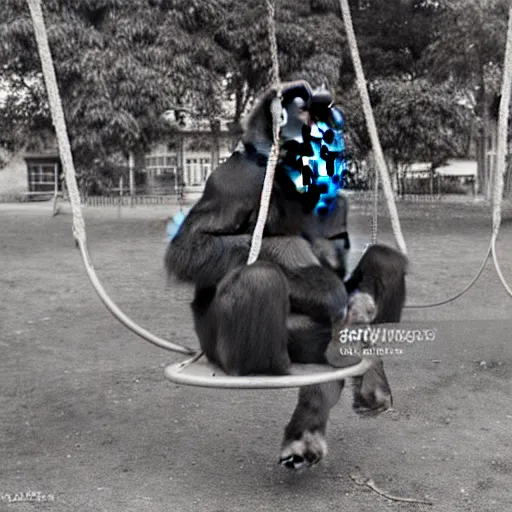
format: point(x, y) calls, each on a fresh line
point(483, 168)
point(215, 144)
point(508, 183)
point(131, 170)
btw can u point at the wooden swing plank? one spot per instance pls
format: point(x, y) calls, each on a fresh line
point(202, 373)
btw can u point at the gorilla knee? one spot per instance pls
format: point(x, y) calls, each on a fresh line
point(361, 309)
point(319, 293)
point(379, 277)
point(250, 308)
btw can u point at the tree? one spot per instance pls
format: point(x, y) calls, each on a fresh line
point(391, 36)
point(310, 40)
point(119, 66)
point(24, 114)
point(416, 121)
point(467, 51)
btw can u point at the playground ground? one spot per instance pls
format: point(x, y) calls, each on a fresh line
point(88, 419)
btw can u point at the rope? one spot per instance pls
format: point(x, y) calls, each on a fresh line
point(375, 216)
point(501, 148)
point(276, 111)
point(372, 127)
point(274, 77)
point(499, 172)
point(59, 122)
point(456, 296)
point(69, 171)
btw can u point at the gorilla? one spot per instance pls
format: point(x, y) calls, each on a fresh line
point(290, 305)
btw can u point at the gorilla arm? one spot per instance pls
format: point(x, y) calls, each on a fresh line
point(213, 238)
point(330, 241)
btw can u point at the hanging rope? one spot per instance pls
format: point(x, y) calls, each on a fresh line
point(372, 127)
point(271, 22)
point(69, 171)
point(501, 148)
point(375, 214)
point(276, 111)
point(501, 151)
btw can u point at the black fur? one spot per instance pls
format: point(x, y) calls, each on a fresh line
point(261, 338)
point(212, 247)
point(381, 274)
point(259, 318)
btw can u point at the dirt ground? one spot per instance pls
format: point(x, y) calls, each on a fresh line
point(87, 416)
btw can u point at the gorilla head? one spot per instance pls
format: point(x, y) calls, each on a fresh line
point(312, 149)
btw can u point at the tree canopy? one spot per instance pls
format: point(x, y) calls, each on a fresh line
point(120, 65)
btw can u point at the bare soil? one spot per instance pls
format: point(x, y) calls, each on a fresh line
point(87, 415)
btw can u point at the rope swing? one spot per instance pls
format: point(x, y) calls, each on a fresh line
point(202, 373)
point(501, 157)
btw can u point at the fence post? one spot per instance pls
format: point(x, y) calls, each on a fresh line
point(131, 169)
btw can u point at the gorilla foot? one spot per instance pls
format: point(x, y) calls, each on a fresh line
point(304, 452)
point(372, 394)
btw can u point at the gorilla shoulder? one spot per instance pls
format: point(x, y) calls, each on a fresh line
point(238, 177)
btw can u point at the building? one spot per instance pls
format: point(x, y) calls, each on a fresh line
point(184, 160)
point(189, 156)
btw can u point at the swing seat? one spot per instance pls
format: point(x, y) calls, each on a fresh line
point(198, 371)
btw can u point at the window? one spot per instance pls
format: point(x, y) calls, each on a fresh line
point(41, 177)
point(163, 165)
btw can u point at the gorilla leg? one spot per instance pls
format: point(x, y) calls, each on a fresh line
point(379, 277)
point(371, 391)
point(315, 291)
point(379, 285)
point(318, 293)
point(241, 324)
point(307, 339)
point(304, 437)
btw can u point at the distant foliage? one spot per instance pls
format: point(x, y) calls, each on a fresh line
point(121, 64)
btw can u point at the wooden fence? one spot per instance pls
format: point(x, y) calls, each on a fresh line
point(368, 196)
point(115, 200)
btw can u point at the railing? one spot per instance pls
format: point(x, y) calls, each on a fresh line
point(368, 196)
point(115, 200)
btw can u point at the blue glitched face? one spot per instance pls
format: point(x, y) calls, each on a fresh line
point(318, 161)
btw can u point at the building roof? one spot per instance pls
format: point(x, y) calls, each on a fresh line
point(42, 155)
point(454, 167)
point(458, 167)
